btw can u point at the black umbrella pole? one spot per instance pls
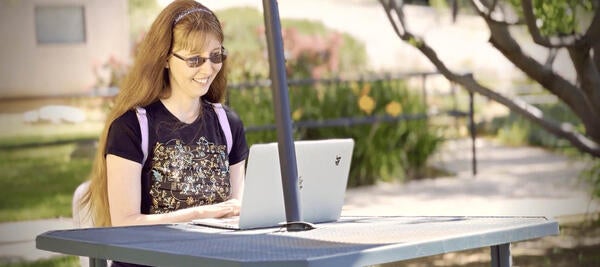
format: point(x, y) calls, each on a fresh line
point(287, 153)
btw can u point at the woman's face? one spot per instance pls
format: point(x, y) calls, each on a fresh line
point(191, 73)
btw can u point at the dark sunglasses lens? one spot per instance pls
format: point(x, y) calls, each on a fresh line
point(216, 58)
point(195, 62)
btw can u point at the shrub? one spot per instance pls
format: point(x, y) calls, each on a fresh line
point(383, 150)
point(592, 175)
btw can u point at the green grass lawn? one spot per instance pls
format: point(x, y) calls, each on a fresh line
point(40, 180)
point(66, 261)
point(40, 167)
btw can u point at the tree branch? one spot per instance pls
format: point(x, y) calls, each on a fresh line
point(492, 7)
point(596, 54)
point(589, 79)
point(564, 130)
point(388, 12)
point(454, 10)
point(409, 37)
point(529, 111)
point(552, 52)
point(501, 38)
point(592, 34)
point(487, 11)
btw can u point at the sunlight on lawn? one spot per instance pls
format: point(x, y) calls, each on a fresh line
point(40, 181)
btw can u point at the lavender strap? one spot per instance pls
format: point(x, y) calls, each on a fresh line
point(143, 120)
point(224, 124)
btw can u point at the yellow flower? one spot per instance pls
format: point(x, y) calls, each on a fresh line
point(366, 104)
point(297, 114)
point(393, 108)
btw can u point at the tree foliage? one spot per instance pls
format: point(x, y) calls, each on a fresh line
point(557, 17)
point(571, 25)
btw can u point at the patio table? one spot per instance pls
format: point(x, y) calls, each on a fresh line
point(351, 241)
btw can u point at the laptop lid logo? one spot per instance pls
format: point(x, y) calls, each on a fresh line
point(337, 160)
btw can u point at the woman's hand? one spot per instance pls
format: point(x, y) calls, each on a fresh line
point(224, 209)
point(235, 206)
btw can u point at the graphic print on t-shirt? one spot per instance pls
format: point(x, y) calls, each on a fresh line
point(187, 175)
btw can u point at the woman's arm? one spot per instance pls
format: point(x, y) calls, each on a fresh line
point(237, 173)
point(125, 196)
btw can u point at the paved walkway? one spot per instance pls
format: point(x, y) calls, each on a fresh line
point(518, 181)
point(511, 181)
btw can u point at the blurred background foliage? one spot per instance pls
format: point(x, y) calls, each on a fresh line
point(311, 49)
point(41, 170)
point(516, 131)
point(315, 52)
point(384, 150)
point(559, 17)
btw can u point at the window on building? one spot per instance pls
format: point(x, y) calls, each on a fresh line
point(59, 24)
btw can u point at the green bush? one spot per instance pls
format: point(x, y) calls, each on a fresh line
point(383, 150)
point(592, 175)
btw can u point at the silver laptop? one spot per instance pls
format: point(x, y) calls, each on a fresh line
point(323, 168)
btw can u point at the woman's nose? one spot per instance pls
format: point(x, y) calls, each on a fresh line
point(207, 67)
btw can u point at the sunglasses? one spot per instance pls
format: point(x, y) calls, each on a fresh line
point(197, 61)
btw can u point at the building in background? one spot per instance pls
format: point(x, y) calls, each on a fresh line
point(60, 47)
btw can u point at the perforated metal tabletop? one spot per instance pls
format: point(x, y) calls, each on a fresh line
point(352, 241)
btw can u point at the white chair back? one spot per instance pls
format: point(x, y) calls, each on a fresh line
point(81, 214)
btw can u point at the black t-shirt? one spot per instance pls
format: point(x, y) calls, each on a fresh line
point(187, 164)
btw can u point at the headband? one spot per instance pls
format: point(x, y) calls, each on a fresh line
point(189, 11)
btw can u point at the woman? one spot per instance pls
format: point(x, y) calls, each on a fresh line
point(178, 73)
